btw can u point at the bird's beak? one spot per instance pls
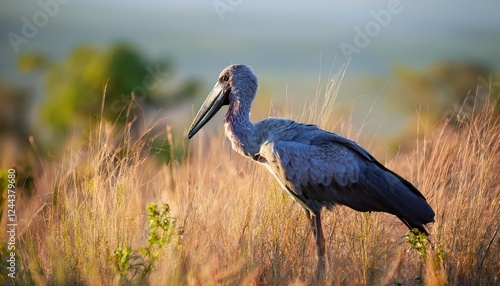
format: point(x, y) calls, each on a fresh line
point(215, 100)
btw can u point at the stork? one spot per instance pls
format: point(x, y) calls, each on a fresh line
point(315, 167)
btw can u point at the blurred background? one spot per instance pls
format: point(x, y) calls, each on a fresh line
point(405, 62)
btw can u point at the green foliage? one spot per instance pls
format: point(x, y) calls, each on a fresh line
point(417, 241)
point(75, 87)
point(135, 264)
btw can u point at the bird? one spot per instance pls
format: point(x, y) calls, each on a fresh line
point(317, 168)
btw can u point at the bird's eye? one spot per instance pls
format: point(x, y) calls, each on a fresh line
point(224, 78)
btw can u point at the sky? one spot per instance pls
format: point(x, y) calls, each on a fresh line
point(290, 36)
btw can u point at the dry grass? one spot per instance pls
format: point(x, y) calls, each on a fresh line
point(238, 227)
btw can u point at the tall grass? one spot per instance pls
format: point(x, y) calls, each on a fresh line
point(236, 226)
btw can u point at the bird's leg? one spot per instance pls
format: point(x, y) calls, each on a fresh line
point(315, 220)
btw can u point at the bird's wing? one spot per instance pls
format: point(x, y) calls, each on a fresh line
point(337, 170)
point(334, 138)
point(297, 166)
point(358, 149)
point(271, 159)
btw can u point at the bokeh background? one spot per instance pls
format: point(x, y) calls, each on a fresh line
point(404, 62)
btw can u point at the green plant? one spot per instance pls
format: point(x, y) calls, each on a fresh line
point(135, 264)
point(417, 241)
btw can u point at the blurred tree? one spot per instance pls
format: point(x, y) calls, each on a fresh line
point(75, 86)
point(14, 129)
point(13, 111)
point(446, 89)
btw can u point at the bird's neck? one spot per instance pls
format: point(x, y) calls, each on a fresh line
point(240, 130)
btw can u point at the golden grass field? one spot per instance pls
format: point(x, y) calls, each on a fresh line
point(231, 224)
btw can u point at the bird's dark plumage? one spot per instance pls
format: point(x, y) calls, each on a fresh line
point(323, 169)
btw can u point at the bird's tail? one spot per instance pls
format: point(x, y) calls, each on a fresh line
point(406, 201)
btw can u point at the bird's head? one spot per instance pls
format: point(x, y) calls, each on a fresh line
point(236, 83)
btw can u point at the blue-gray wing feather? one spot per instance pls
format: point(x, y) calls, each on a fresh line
point(329, 169)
